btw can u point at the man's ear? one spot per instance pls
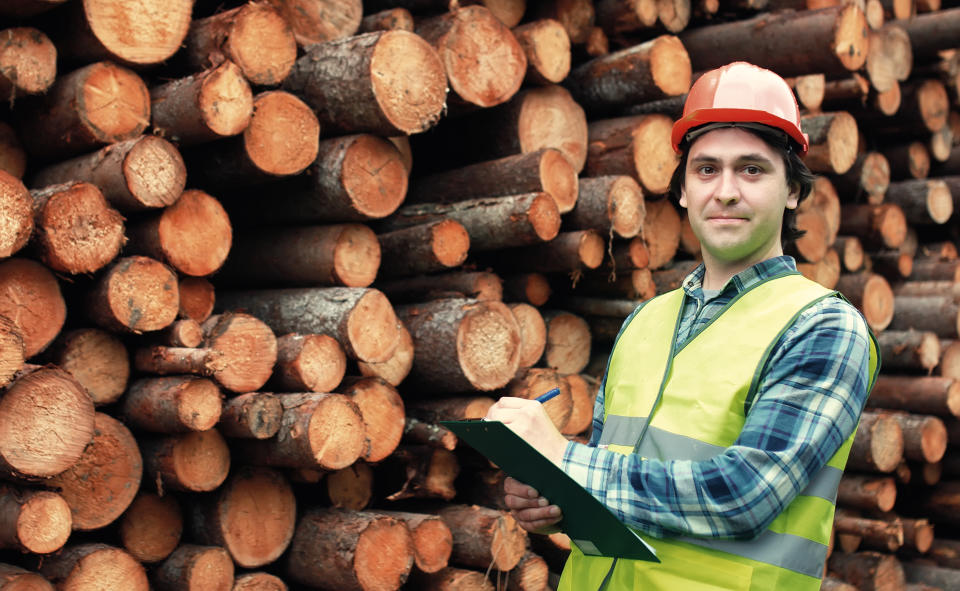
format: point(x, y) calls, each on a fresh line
point(683, 197)
point(793, 197)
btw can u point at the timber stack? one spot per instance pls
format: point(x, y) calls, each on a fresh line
point(252, 253)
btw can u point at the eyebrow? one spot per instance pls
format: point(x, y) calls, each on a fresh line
point(708, 159)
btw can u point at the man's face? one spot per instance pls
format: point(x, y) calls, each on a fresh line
point(735, 191)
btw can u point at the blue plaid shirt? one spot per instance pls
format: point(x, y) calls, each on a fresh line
point(807, 404)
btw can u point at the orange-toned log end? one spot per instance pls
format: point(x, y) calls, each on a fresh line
point(875, 173)
point(551, 118)
point(254, 415)
point(249, 350)
point(398, 366)
point(337, 420)
point(559, 179)
point(155, 172)
point(384, 555)
point(11, 350)
point(95, 566)
point(939, 201)
point(383, 416)
point(813, 245)
point(452, 577)
point(884, 439)
point(313, 362)
point(581, 413)
point(547, 47)
point(544, 216)
point(284, 134)
point(141, 33)
point(14, 578)
point(198, 461)
point(113, 103)
point(316, 22)
point(28, 61)
point(350, 487)
point(77, 230)
point(196, 567)
point(409, 81)
point(173, 404)
point(891, 225)
point(485, 366)
point(138, 294)
point(150, 528)
point(44, 439)
point(374, 176)
point(449, 243)
point(653, 158)
point(627, 209)
point(877, 303)
point(590, 249)
point(195, 234)
point(34, 521)
point(568, 343)
point(372, 332)
point(103, 482)
point(214, 104)
point(538, 380)
point(258, 582)
point(482, 536)
point(16, 223)
point(432, 545)
point(197, 298)
point(533, 333)
point(356, 256)
point(262, 43)
point(850, 38)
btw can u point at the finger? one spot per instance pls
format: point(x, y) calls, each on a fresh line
point(511, 486)
point(516, 503)
point(539, 514)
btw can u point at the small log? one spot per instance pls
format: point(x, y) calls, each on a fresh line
point(633, 254)
point(196, 461)
point(865, 492)
point(582, 393)
point(931, 32)
point(636, 284)
point(350, 487)
point(206, 106)
point(192, 235)
point(889, 57)
point(924, 437)
point(536, 381)
point(197, 298)
point(258, 581)
point(661, 232)
point(49, 419)
point(874, 533)
point(173, 404)
point(533, 333)
point(150, 528)
point(453, 578)
point(36, 521)
point(87, 567)
point(395, 369)
point(252, 516)
point(531, 288)
point(162, 360)
point(32, 300)
point(98, 104)
point(383, 415)
point(850, 251)
point(576, 16)
point(337, 255)
point(547, 47)
point(254, 415)
point(248, 348)
point(483, 536)
point(813, 245)
point(341, 549)
point(387, 82)
point(569, 252)
point(319, 21)
point(317, 430)
point(932, 576)
point(29, 62)
point(846, 91)
point(361, 319)
point(309, 363)
point(833, 141)
point(868, 570)
point(17, 205)
point(568, 342)
point(191, 567)
point(637, 146)
point(933, 395)
point(390, 19)
point(616, 16)
point(426, 248)
point(420, 472)
point(530, 574)
point(432, 539)
point(97, 359)
point(878, 444)
point(254, 36)
point(482, 336)
point(480, 285)
point(923, 201)
point(909, 349)
point(878, 226)
point(185, 332)
point(609, 204)
point(809, 89)
point(872, 295)
point(457, 408)
point(938, 314)
point(416, 431)
point(136, 294)
point(869, 176)
point(141, 173)
point(910, 160)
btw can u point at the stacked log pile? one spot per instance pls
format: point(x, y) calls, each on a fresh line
point(252, 253)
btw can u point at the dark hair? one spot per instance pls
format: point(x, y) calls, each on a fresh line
point(797, 173)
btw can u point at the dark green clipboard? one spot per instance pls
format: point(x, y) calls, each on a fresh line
point(591, 526)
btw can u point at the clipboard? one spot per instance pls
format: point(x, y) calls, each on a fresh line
point(591, 526)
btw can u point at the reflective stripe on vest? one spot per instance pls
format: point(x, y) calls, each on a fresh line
point(697, 398)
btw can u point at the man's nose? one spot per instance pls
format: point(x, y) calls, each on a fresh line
point(728, 192)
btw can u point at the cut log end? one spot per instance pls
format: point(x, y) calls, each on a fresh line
point(155, 172)
point(138, 294)
point(484, 366)
point(383, 557)
point(653, 156)
point(89, 566)
point(591, 249)
point(398, 366)
point(249, 350)
point(195, 234)
point(258, 582)
point(374, 175)
point(878, 303)
point(284, 134)
point(544, 217)
point(197, 298)
point(670, 65)
point(115, 103)
point(939, 201)
point(16, 223)
point(412, 89)
point(547, 48)
point(201, 460)
point(262, 44)
point(44, 523)
point(533, 333)
point(567, 127)
point(141, 33)
point(851, 40)
point(559, 180)
point(449, 242)
point(257, 516)
point(28, 60)
point(225, 100)
point(150, 529)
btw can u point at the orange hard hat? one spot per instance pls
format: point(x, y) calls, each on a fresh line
point(741, 93)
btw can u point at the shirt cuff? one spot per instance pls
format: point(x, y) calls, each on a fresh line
point(590, 467)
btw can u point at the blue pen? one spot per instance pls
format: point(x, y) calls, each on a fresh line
point(548, 395)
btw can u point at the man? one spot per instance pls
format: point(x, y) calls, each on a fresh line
point(728, 407)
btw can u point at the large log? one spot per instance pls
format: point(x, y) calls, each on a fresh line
point(933, 576)
point(484, 537)
point(252, 516)
point(869, 177)
point(928, 395)
point(254, 415)
point(29, 62)
point(432, 539)
point(151, 527)
point(872, 295)
point(877, 226)
point(420, 472)
point(17, 205)
point(136, 294)
point(172, 404)
point(536, 381)
point(865, 492)
point(395, 369)
point(834, 138)
point(936, 313)
point(389, 82)
point(637, 146)
point(923, 201)
point(31, 299)
point(909, 350)
point(383, 415)
point(194, 568)
point(874, 533)
point(609, 204)
point(92, 566)
point(533, 333)
point(318, 21)
point(308, 363)
point(576, 16)
point(196, 461)
point(932, 32)
point(878, 444)
point(868, 571)
point(547, 47)
point(569, 252)
point(36, 521)
point(425, 248)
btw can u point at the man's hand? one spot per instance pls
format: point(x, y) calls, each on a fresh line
point(530, 421)
point(533, 512)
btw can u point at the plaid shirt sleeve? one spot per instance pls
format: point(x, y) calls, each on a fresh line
point(809, 400)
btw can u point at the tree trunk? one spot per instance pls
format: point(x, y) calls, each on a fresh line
point(462, 344)
point(136, 294)
point(869, 176)
point(361, 319)
point(195, 568)
point(932, 32)
point(150, 528)
point(576, 16)
point(924, 437)
point(416, 431)
point(98, 104)
point(922, 201)
point(173, 404)
point(533, 333)
point(878, 445)
point(49, 420)
point(609, 204)
point(909, 349)
point(395, 369)
point(89, 567)
point(661, 231)
point(319, 21)
point(636, 146)
point(536, 381)
point(938, 314)
point(350, 487)
point(861, 491)
point(253, 517)
point(874, 533)
point(547, 48)
point(626, 16)
point(928, 395)
point(425, 248)
point(479, 285)
point(254, 415)
point(383, 415)
point(432, 539)
point(833, 141)
point(450, 409)
point(254, 36)
point(569, 252)
point(390, 19)
point(872, 295)
point(809, 89)
point(483, 536)
point(33, 521)
point(203, 107)
point(889, 58)
point(389, 82)
point(197, 298)
point(531, 288)
point(196, 461)
point(877, 226)
point(869, 571)
point(145, 172)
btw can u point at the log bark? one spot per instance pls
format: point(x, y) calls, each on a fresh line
point(932, 32)
point(395, 369)
point(173, 404)
point(254, 36)
point(938, 314)
point(141, 173)
point(416, 431)
point(833, 141)
point(389, 82)
point(352, 551)
point(484, 62)
point(350, 487)
point(203, 107)
point(42, 439)
point(874, 533)
point(878, 445)
point(934, 269)
point(533, 333)
point(425, 248)
point(869, 176)
point(569, 252)
point(317, 430)
point(832, 41)
point(86, 567)
point(609, 204)
point(193, 235)
point(258, 581)
point(457, 408)
point(649, 71)
point(910, 160)
point(361, 319)
point(923, 576)
point(390, 19)
point(36, 521)
point(625, 16)
point(151, 527)
point(197, 298)
point(923, 201)
point(254, 415)
point(927, 395)
point(576, 16)
point(872, 295)
point(13, 158)
point(28, 8)
point(98, 104)
point(452, 578)
point(869, 571)
point(29, 62)
point(909, 350)
point(878, 226)
point(192, 567)
point(136, 294)
point(536, 381)
point(253, 517)
point(319, 21)
point(637, 146)
point(924, 437)
point(481, 336)
point(531, 288)
point(383, 415)
point(483, 536)
point(861, 491)
point(420, 472)
point(308, 363)
point(547, 47)
point(196, 461)
point(661, 232)
point(337, 255)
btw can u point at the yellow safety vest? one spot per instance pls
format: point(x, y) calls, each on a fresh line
point(698, 397)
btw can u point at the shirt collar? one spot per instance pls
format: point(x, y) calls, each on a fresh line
point(693, 283)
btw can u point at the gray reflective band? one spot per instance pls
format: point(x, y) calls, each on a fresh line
point(660, 444)
point(783, 550)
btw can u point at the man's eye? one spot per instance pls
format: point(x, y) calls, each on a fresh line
point(752, 170)
point(706, 169)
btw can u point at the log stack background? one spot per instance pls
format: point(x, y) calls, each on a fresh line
point(253, 252)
